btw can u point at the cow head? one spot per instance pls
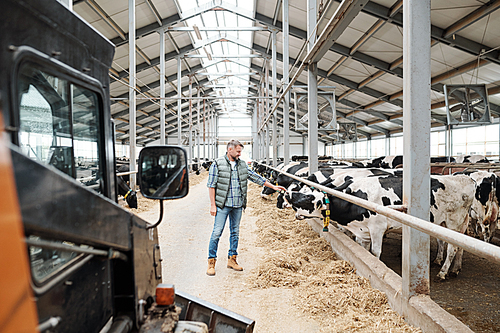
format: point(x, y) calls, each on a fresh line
point(132, 199)
point(267, 192)
point(485, 207)
point(305, 204)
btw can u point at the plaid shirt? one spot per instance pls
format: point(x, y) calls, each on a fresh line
point(234, 198)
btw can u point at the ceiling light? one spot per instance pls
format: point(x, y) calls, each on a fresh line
point(197, 32)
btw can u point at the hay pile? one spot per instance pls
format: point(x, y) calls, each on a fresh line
point(143, 205)
point(195, 179)
point(326, 289)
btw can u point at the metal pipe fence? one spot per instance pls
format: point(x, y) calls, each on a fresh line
point(469, 244)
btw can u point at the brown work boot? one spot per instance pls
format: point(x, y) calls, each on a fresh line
point(211, 266)
point(231, 263)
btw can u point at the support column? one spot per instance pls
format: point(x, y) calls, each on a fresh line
point(216, 135)
point(451, 141)
point(312, 90)
point(179, 101)
point(204, 131)
point(387, 145)
point(162, 87)
point(255, 136)
point(286, 100)
point(416, 136)
point(198, 132)
point(267, 111)
point(209, 147)
point(259, 122)
point(190, 125)
point(275, 113)
point(210, 134)
point(131, 91)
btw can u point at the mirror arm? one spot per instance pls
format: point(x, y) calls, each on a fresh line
point(159, 220)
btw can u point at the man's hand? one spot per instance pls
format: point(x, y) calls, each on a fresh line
point(279, 188)
point(213, 210)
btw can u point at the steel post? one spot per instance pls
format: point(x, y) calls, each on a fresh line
point(198, 132)
point(416, 136)
point(286, 100)
point(275, 89)
point(179, 101)
point(131, 91)
point(162, 87)
point(266, 101)
point(190, 126)
point(312, 90)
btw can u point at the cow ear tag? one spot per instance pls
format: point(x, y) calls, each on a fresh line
point(326, 221)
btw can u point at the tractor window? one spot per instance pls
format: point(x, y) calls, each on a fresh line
point(59, 124)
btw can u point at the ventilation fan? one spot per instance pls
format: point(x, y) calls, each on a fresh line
point(467, 104)
point(347, 132)
point(327, 117)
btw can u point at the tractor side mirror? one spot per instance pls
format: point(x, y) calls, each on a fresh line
point(163, 172)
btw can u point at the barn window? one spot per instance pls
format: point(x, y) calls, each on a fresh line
point(59, 124)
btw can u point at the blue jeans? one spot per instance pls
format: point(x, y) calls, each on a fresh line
point(234, 230)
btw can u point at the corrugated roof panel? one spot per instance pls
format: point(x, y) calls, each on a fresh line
point(444, 12)
point(386, 44)
point(267, 7)
point(355, 71)
point(485, 31)
point(361, 23)
point(445, 58)
point(165, 8)
point(328, 60)
point(360, 98)
point(387, 83)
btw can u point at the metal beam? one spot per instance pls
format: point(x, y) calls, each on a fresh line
point(473, 17)
point(131, 92)
point(218, 29)
point(343, 16)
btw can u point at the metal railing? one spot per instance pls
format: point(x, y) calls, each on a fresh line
point(469, 244)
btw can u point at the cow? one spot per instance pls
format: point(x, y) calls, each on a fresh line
point(485, 207)
point(195, 167)
point(472, 159)
point(300, 169)
point(391, 162)
point(206, 164)
point(372, 163)
point(129, 195)
point(451, 199)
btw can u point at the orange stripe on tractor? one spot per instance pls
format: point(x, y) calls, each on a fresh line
point(17, 310)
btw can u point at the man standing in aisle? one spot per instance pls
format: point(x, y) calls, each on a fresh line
point(227, 188)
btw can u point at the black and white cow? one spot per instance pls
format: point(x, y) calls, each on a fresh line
point(472, 159)
point(206, 164)
point(485, 207)
point(299, 169)
point(391, 162)
point(451, 199)
point(372, 163)
point(129, 195)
